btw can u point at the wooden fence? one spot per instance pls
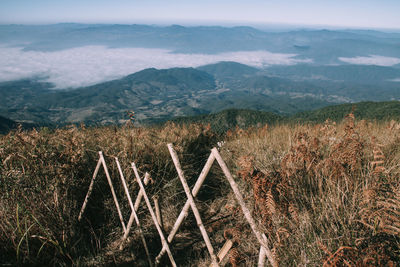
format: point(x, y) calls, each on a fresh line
point(166, 241)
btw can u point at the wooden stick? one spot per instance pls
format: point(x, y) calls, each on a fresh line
point(112, 191)
point(186, 207)
point(133, 212)
point(192, 204)
point(224, 250)
point(140, 196)
point(263, 241)
point(136, 207)
point(153, 216)
point(90, 189)
point(158, 212)
point(261, 257)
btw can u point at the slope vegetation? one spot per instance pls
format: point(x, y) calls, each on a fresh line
point(231, 118)
point(363, 110)
point(324, 194)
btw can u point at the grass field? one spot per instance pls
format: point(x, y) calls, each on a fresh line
point(324, 194)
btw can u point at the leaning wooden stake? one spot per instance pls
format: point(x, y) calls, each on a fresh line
point(158, 211)
point(90, 189)
point(133, 212)
point(263, 241)
point(146, 180)
point(261, 257)
point(136, 207)
point(193, 204)
point(112, 191)
point(102, 162)
point(153, 216)
point(224, 250)
point(186, 207)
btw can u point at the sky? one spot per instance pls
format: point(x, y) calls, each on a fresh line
point(336, 13)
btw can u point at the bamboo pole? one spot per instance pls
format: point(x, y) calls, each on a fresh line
point(90, 189)
point(261, 257)
point(133, 212)
point(146, 180)
point(153, 216)
point(262, 240)
point(158, 211)
point(136, 207)
point(224, 250)
point(112, 190)
point(195, 191)
point(186, 207)
point(193, 204)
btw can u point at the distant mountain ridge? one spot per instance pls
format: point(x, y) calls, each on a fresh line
point(155, 95)
point(158, 95)
point(321, 46)
point(369, 110)
point(244, 118)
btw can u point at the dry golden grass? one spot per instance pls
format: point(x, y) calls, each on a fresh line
point(325, 194)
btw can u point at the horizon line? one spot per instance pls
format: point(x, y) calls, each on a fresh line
point(213, 23)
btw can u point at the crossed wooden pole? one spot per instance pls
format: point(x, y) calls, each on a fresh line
point(134, 208)
point(216, 260)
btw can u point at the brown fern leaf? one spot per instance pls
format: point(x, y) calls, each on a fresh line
point(344, 256)
point(377, 165)
point(270, 202)
point(380, 210)
point(234, 257)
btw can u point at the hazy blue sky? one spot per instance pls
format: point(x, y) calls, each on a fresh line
point(356, 13)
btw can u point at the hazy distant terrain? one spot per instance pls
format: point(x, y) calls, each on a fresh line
point(156, 95)
point(66, 73)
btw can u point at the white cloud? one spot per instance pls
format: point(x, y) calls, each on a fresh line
point(372, 60)
point(89, 65)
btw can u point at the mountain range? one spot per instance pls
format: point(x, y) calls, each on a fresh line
point(320, 45)
point(157, 95)
point(303, 69)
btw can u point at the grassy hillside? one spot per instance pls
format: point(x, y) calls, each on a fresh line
point(231, 118)
point(322, 194)
point(363, 110)
point(243, 118)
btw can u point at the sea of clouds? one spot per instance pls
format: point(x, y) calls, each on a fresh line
point(372, 60)
point(89, 65)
